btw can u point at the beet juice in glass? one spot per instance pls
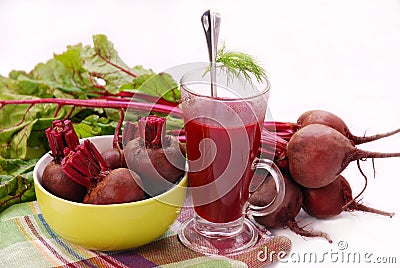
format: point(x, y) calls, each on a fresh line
point(223, 135)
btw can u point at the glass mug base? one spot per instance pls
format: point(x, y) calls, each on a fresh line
point(217, 230)
point(210, 243)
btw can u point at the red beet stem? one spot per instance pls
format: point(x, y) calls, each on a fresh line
point(273, 143)
point(96, 103)
point(129, 133)
point(61, 135)
point(300, 231)
point(118, 130)
point(152, 129)
point(128, 95)
point(276, 126)
point(273, 146)
point(181, 138)
point(85, 165)
point(285, 135)
point(284, 130)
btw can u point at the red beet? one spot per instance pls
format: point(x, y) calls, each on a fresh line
point(119, 186)
point(286, 213)
point(317, 154)
point(87, 166)
point(333, 121)
point(114, 158)
point(61, 135)
point(159, 159)
point(58, 183)
point(332, 199)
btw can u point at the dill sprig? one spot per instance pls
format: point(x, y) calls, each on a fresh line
point(241, 63)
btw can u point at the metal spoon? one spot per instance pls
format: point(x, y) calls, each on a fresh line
point(211, 22)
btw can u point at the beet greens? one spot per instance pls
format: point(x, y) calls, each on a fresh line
point(78, 83)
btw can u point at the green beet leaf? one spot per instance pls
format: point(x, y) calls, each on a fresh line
point(160, 85)
point(60, 77)
point(104, 63)
point(94, 125)
point(16, 181)
point(16, 166)
point(16, 189)
point(22, 127)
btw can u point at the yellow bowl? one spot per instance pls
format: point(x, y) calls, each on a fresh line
point(109, 227)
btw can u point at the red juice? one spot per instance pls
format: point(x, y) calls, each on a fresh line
point(226, 179)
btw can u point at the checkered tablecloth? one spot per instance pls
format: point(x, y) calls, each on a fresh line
point(27, 241)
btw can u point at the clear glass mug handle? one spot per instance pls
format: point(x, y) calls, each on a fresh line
point(276, 174)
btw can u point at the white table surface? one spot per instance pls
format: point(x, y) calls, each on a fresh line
point(340, 56)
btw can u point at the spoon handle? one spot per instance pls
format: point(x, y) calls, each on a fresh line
point(211, 23)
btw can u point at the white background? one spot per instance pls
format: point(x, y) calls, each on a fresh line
point(340, 56)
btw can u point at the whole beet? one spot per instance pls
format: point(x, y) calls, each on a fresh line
point(159, 159)
point(335, 122)
point(331, 200)
point(317, 154)
point(61, 135)
point(58, 183)
point(289, 208)
point(121, 185)
point(285, 214)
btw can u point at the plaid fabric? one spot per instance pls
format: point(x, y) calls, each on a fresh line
point(27, 241)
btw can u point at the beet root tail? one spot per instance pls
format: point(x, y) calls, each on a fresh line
point(360, 140)
point(300, 231)
point(361, 154)
point(360, 207)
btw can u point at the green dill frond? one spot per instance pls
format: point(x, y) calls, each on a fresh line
point(240, 63)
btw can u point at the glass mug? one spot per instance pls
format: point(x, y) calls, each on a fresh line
point(223, 135)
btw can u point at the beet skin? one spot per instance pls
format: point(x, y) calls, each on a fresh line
point(121, 185)
point(317, 154)
point(58, 183)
